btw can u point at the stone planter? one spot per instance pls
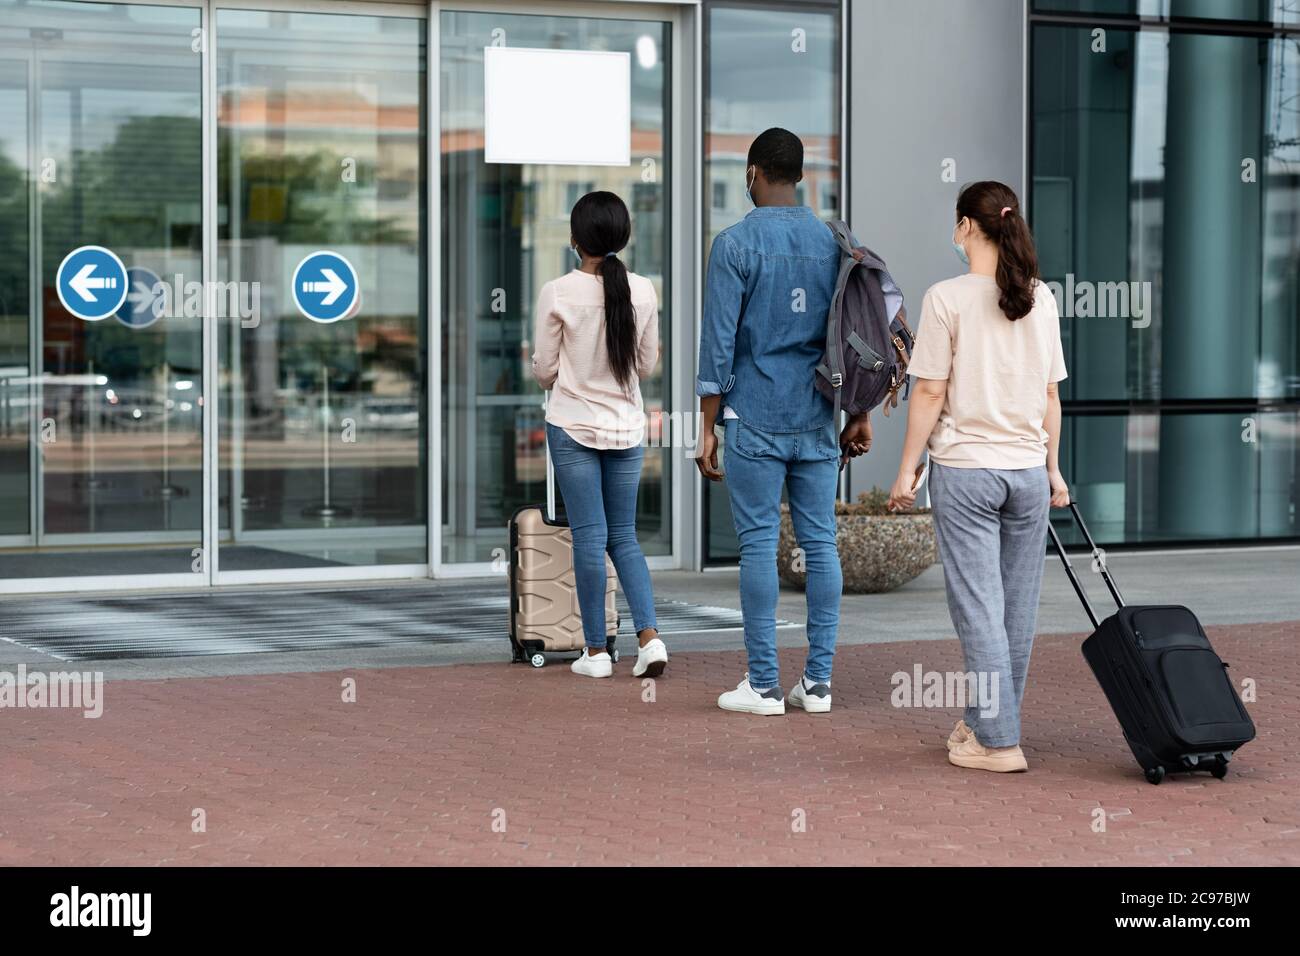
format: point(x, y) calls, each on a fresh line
point(877, 552)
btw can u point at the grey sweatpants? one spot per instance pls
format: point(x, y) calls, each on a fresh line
point(991, 528)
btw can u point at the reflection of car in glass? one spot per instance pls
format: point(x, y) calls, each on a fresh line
point(396, 414)
point(130, 408)
point(301, 416)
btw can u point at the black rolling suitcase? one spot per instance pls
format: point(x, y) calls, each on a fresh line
point(1171, 692)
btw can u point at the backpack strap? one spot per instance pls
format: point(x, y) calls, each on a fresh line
point(835, 373)
point(840, 230)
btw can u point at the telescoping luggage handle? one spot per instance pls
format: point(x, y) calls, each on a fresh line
point(550, 466)
point(1099, 559)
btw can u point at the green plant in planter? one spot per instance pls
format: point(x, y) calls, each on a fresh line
point(879, 549)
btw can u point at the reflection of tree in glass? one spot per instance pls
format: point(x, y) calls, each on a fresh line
point(142, 191)
point(13, 262)
point(303, 198)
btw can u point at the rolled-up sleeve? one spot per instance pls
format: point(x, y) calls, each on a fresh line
point(724, 293)
point(546, 338)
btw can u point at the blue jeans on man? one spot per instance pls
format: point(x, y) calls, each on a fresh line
point(758, 464)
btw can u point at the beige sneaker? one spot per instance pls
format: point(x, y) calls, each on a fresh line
point(973, 754)
point(959, 733)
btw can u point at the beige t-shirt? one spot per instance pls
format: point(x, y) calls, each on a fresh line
point(997, 373)
point(570, 359)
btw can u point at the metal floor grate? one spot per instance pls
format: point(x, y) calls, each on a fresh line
point(190, 625)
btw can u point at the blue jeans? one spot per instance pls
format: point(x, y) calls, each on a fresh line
point(991, 528)
point(599, 490)
point(757, 464)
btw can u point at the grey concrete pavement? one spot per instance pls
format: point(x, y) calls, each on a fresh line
point(1223, 587)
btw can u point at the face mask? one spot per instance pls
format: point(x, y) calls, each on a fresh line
point(958, 248)
point(749, 184)
point(576, 254)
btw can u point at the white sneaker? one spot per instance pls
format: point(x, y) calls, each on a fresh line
point(744, 699)
point(651, 659)
point(589, 665)
point(813, 698)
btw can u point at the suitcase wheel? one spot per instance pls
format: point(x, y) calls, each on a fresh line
point(1220, 769)
point(537, 660)
point(1156, 774)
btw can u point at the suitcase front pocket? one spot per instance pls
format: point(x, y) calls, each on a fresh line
point(1199, 690)
point(1160, 627)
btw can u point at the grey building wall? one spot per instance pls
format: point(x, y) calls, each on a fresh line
point(929, 81)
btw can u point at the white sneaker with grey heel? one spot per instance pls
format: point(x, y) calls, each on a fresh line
point(746, 700)
point(812, 697)
point(651, 659)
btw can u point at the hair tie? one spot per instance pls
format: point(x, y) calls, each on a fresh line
point(610, 254)
point(1005, 210)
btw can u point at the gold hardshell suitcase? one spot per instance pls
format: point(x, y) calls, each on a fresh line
point(544, 613)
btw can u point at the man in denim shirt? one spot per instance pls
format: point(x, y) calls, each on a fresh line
point(767, 294)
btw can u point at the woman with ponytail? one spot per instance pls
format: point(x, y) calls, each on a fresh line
point(597, 336)
point(987, 360)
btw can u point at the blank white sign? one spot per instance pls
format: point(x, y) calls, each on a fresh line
point(571, 107)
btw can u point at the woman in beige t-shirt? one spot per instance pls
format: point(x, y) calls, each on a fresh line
point(987, 360)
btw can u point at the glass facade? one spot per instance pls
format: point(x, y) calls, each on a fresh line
point(225, 435)
point(770, 64)
point(1165, 168)
point(242, 141)
point(1256, 11)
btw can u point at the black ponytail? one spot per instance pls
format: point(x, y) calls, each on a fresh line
point(601, 227)
point(620, 320)
point(994, 208)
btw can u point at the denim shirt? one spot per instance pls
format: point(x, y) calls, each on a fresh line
point(766, 298)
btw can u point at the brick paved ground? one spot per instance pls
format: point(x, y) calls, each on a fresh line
point(586, 772)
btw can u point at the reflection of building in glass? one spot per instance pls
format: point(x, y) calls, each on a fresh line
point(1146, 166)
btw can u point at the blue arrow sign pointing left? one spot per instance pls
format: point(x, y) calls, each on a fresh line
point(91, 283)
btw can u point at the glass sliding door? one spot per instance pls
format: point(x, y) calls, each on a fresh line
point(321, 183)
point(101, 405)
point(505, 233)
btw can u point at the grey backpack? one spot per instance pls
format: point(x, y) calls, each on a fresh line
point(867, 349)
